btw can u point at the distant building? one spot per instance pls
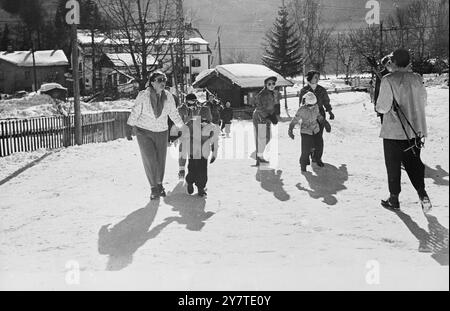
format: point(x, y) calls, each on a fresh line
point(117, 70)
point(237, 83)
point(196, 52)
point(17, 71)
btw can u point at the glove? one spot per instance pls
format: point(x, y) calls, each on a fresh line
point(331, 115)
point(213, 159)
point(327, 126)
point(291, 134)
point(273, 118)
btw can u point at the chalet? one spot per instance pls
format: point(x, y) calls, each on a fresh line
point(197, 56)
point(17, 69)
point(237, 83)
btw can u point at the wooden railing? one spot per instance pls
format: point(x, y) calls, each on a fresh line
point(23, 135)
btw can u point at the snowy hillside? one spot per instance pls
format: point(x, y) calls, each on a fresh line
point(258, 229)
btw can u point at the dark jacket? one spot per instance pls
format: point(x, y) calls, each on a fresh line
point(226, 115)
point(323, 101)
point(215, 112)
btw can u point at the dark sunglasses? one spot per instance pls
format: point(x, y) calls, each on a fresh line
point(161, 80)
point(271, 84)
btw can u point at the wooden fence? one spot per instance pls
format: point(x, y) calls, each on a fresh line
point(23, 135)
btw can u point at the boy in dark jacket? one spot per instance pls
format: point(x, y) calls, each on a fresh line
point(187, 111)
point(201, 141)
point(226, 116)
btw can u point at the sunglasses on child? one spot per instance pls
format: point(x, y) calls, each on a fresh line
point(271, 84)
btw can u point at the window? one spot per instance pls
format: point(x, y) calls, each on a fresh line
point(196, 48)
point(196, 63)
point(27, 75)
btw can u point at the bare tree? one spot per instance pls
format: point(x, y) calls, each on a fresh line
point(345, 52)
point(237, 56)
point(316, 40)
point(141, 26)
point(366, 42)
point(422, 27)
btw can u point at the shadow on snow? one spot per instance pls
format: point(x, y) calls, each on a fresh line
point(121, 241)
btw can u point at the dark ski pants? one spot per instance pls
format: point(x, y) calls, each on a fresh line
point(262, 136)
point(197, 172)
point(153, 146)
point(318, 145)
point(308, 143)
point(394, 155)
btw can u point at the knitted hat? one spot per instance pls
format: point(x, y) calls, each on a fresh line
point(309, 99)
point(191, 97)
point(205, 114)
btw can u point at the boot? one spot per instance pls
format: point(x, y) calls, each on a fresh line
point(202, 192)
point(391, 203)
point(190, 188)
point(155, 193)
point(260, 160)
point(162, 191)
point(426, 204)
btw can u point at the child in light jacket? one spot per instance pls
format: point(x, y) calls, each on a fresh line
point(310, 119)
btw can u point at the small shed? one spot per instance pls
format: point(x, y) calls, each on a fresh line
point(237, 83)
point(17, 69)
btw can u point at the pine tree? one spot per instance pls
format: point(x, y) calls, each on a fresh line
point(282, 51)
point(5, 40)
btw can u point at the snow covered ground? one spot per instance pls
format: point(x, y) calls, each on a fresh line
point(88, 207)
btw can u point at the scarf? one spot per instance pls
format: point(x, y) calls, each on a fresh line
point(157, 102)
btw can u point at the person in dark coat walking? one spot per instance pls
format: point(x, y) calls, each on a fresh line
point(226, 115)
point(215, 108)
point(323, 102)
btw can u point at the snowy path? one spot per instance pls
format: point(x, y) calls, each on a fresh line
point(272, 229)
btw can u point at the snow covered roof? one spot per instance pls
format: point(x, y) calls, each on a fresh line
point(125, 59)
point(186, 41)
point(196, 41)
point(244, 75)
point(42, 58)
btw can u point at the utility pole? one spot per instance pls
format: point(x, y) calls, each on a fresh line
point(76, 87)
point(180, 49)
point(219, 46)
point(73, 19)
point(34, 88)
point(381, 40)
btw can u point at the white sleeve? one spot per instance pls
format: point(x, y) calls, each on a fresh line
point(385, 97)
point(136, 110)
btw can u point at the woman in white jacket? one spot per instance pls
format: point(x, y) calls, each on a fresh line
point(149, 117)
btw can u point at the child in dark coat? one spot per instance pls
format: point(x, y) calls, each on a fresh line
point(311, 119)
point(227, 115)
point(202, 140)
